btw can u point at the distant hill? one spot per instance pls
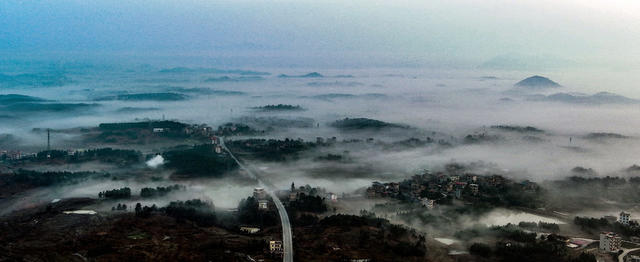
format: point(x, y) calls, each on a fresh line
point(278, 107)
point(14, 98)
point(233, 79)
point(146, 97)
point(579, 98)
point(181, 70)
point(34, 80)
point(350, 124)
point(519, 129)
point(309, 75)
point(537, 82)
point(602, 136)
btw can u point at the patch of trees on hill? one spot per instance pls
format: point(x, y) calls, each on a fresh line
point(199, 161)
point(122, 157)
point(271, 149)
point(200, 212)
point(278, 107)
point(48, 178)
point(308, 203)
point(159, 191)
point(119, 193)
point(248, 213)
point(350, 124)
point(143, 125)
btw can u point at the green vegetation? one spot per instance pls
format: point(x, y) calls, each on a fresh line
point(196, 210)
point(350, 124)
point(48, 178)
point(119, 193)
point(148, 192)
point(232, 129)
point(120, 157)
point(199, 161)
point(146, 97)
point(519, 129)
point(278, 107)
point(248, 213)
point(308, 203)
point(48, 107)
point(172, 125)
point(271, 150)
point(595, 225)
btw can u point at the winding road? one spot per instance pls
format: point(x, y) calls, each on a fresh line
point(287, 239)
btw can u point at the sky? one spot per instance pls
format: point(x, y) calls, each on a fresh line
point(576, 33)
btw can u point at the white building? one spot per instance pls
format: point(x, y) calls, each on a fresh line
point(624, 218)
point(333, 197)
point(249, 229)
point(428, 203)
point(263, 204)
point(610, 242)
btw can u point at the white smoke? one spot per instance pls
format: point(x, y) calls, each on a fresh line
point(155, 162)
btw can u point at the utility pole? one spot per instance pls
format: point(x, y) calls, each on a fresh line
point(48, 139)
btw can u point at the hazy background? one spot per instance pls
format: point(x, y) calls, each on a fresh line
point(429, 61)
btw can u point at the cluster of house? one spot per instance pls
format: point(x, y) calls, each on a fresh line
point(610, 241)
point(294, 193)
point(15, 155)
point(215, 140)
point(438, 186)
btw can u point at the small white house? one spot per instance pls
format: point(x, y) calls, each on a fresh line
point(263, 204)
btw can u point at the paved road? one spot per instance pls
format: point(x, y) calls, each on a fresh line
point(287, 239)
point(625, 252)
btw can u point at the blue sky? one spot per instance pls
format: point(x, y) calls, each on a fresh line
point(567, 31)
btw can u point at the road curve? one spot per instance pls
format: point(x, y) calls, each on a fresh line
point(287, 239)
point(625, 252)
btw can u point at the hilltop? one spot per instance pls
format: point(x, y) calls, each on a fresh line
point(537, 82)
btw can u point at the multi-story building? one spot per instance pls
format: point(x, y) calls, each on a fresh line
point(624, 218)
point(610, 242)
point(275, 246)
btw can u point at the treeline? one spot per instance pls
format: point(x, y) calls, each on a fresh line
point(272, 149)
point(200, 212)
point(201, 160)
point(122, 157)
point(279, 107)
point(234, 129)
point(528, 248)
point(48, 178)
point(143, 125)
point(248, 213)
point(196, 210)
point(602, 224)
point(399, 240)
point(553, 227)
point(148, 192)
point(308, 203)
point(119, 193)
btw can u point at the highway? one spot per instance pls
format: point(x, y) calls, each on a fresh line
point(287, 239)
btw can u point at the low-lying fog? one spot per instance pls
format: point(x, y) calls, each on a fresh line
point(450, 103)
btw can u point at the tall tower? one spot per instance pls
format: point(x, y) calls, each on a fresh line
point(48, 139)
